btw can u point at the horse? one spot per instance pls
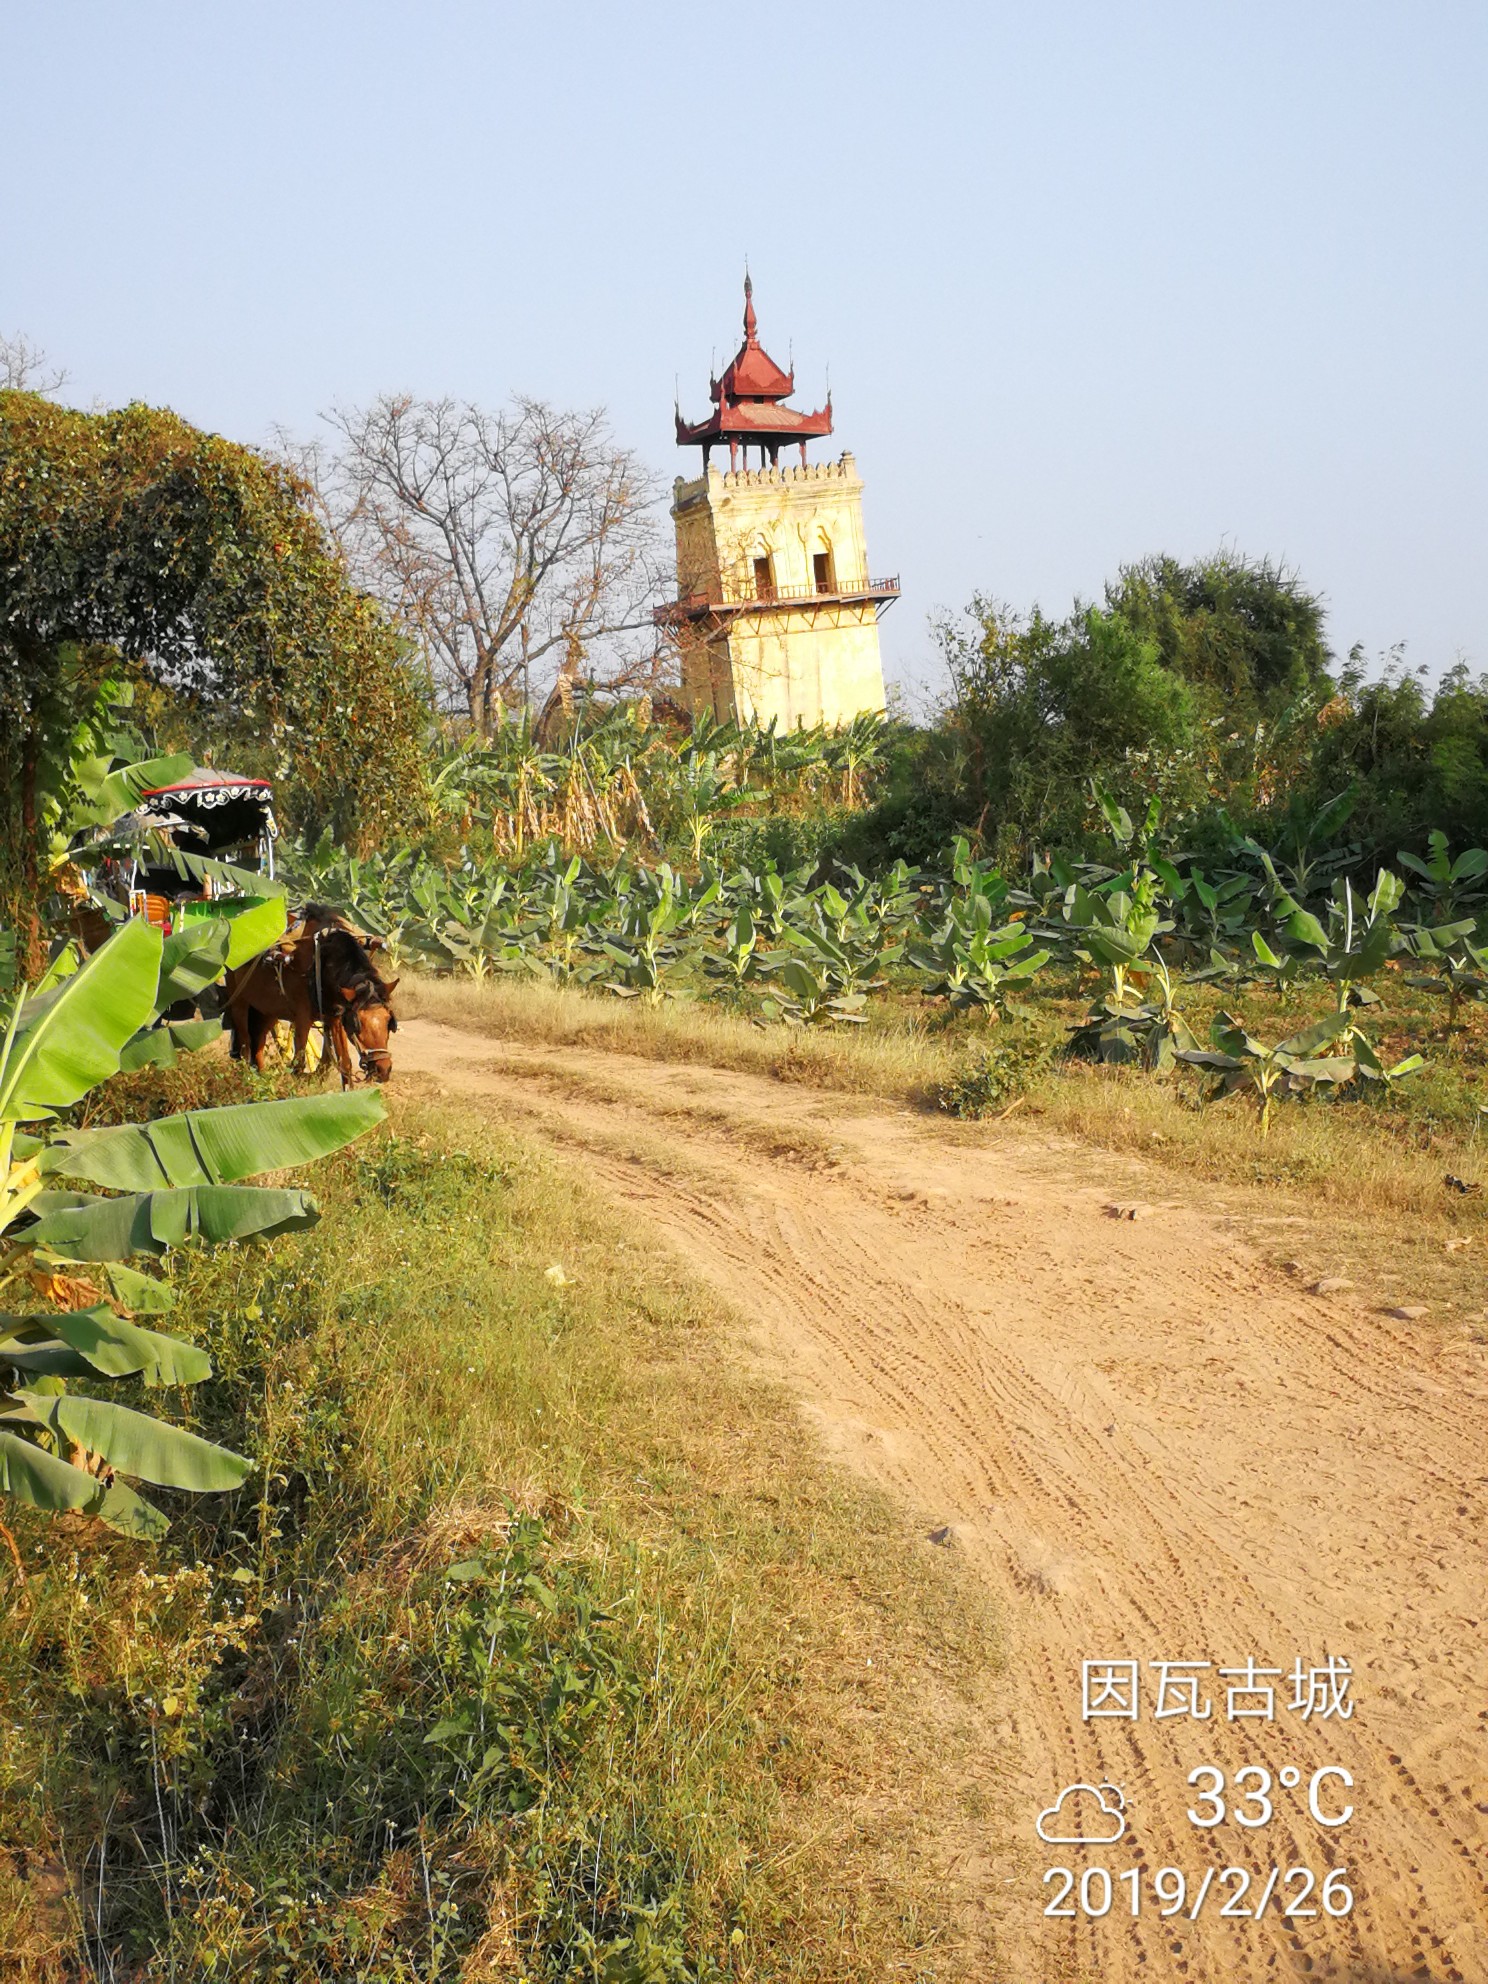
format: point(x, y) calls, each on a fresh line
point(321, 971)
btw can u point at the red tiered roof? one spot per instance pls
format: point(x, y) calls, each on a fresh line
point(747, 403)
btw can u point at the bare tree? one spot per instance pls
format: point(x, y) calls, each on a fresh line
point(520, 547)
point(24, 367)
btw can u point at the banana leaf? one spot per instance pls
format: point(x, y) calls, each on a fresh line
point(109, 1346)
point(61, 968)
point(1372, 1068)
point(1378, 941)
point(1306, 929)
point(192, 959)
point(800, 979)
point(32, 1475)
point(215, 1146)
point(1333, 1068)
point(70, 1039)
point(143, 1294)
point(1112, 946)
point(254, 929)
point(1302, 1044)
point(89, 1229)
point(130, 1514)
point(1208, 1057)
point(162, 1046)
point(1433, 940)
point(110, 795)
point(1114, 1038)
point(135, 1444)
point(47, 1358)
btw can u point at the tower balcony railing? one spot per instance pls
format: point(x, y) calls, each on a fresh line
point(733, 599)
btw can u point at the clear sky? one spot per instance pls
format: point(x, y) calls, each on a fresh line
point(1094, 278)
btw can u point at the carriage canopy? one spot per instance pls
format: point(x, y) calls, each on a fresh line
point(226, 810)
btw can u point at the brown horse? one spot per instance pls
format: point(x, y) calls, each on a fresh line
point(321, 973)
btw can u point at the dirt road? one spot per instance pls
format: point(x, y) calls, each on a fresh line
point(1156, 1448)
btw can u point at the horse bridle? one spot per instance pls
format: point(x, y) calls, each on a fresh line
point(373, 1061)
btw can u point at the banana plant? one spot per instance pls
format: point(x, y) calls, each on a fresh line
point(1244, 1065)
point(70, 1302)
point(849, 964)
point(1457, 968)
point(1358, 938)
point(556, 937)
point(1130, 839)
point(974, 965)
point(803, 997)
point(1162, 1029)
point(1302, 861)
point(836, 913)
point(1446, 884)
point(890, 905)
point(702, 793)
point(1264, 965)
point(1210, 914)
point(91, 776)
point(739, 960)
point(857, 748)
point(1117, 931)
point(771, 903)
point(469, 930)
point(644, 948)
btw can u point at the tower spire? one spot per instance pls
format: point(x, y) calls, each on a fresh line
point(748, 401)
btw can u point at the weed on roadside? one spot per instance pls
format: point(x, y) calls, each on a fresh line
point(997, 1074)
point(518, 1656)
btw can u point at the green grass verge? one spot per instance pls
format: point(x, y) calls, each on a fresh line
point(541, 1646)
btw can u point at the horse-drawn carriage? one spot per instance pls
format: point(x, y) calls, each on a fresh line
point(198, 853)
point(205, 837)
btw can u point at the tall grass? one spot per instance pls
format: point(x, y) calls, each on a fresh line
point(534, 1650)
point(890, 1056)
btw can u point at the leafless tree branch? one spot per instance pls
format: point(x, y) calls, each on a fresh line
point(519, 547)
point(24, 367)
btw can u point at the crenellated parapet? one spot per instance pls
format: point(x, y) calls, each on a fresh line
point(725, 480)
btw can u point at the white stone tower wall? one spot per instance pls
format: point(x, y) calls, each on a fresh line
point(794, 662)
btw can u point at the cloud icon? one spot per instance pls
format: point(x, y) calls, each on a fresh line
point(1085, 1828)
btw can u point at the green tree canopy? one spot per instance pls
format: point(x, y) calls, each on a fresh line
point(1415, 757)
point(1040, 707)
point(201, 562)
point(1244, 630)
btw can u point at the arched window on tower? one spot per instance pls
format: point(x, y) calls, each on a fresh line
point(764, 576)
point(823, 568)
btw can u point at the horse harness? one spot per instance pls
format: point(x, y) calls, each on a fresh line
point(375, 1062)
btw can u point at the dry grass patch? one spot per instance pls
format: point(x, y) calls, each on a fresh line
point(1360, 1181)
point(1332, 1188)
point(890, 1056)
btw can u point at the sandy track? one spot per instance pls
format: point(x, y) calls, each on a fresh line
point(1154, 1447)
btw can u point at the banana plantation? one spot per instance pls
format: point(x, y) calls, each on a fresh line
point(1136, 934)
point(619, 778)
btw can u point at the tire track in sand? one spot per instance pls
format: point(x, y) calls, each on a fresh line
point(1149, 1443)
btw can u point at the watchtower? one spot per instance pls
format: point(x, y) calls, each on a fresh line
point(776, 614)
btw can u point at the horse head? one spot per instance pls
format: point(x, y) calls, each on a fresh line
point(368, 1017)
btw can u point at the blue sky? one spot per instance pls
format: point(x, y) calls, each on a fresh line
point(1092, 280)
